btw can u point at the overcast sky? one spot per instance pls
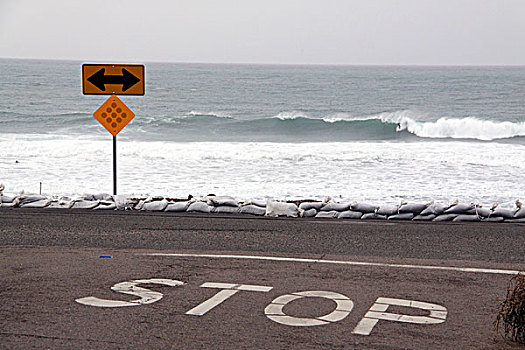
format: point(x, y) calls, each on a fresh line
point(386, 32)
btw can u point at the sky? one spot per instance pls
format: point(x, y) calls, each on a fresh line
point(353, 32)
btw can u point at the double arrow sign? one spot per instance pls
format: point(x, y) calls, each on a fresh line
point(113, 79)
point(99, 79)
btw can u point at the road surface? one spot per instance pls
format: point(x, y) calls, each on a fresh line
point(87, 279)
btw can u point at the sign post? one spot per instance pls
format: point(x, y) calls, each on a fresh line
point(112, 79)
point(115, 165)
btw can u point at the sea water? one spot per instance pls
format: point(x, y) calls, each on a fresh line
point(375, 134)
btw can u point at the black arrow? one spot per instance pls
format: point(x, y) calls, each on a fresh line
point(99, 79)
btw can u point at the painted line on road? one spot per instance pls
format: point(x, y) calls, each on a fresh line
point(338, 262)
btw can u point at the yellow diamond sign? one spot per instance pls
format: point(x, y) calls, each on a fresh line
point(114, 115)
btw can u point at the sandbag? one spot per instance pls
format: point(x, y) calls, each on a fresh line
point(445, 217)
point(482, 212)
point(54, 205)
point(199, 207)
point(467, 218)
point(504, 213)
point(363, 207)
point(61, 203)
point(83, 204)
point(335, 206)
point(140, 205)
point(155, 205)
point(36, 204)
point(106, 205)
point(282, 209)
point(309, 213)
point(402, 216)
point(252, 210)
point(494, 219)
point(122, 202)
point(25, 199)
point(428, 217)
point(9, 205)
point(103, 197)
point(221, 200)
point(350, 214)
point(225, 209)
point(387, 210)
point(461, 209)
point(522, 220)
point(373, 216)
point(327, 214)
point(413, 208)
point(520, 214)
point(311, 205)
point(436, 209)
point(257, 202)
point(177, 206)
point(6, 199)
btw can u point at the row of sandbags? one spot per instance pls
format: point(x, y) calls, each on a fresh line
point(208, 204)
point(321, 209)
point(99, 201)
point(414, 212)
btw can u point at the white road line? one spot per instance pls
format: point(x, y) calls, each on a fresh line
point(338, 262)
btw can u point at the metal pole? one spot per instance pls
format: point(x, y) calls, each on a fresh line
point(115, 165)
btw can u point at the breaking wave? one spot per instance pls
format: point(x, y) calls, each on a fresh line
point(455, 128)
point(294, 126)
point(399, 121)
point(298, 126)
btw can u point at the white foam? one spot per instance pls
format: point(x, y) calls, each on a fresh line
point(376, 172)
point(330, 118)
point(210, 114)
point(467, 128)
point(337, 117)
point(291, 115)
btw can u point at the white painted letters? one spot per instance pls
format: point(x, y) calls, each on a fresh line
point(228, 290)
point(274, 310)
point(437, 314)
point(146, 296)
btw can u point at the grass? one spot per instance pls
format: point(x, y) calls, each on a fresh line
point(510, 321)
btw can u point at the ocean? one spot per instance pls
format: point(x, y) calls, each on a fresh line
point(373, 134)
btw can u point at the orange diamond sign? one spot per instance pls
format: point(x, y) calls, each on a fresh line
point(114, 115)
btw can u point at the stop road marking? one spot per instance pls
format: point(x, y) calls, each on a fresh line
point(274, 310)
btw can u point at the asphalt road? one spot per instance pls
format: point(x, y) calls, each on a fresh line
point(246, 282)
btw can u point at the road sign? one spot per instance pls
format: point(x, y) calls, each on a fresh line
point(113, 79)
point(109, 79)
point(114, 115)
